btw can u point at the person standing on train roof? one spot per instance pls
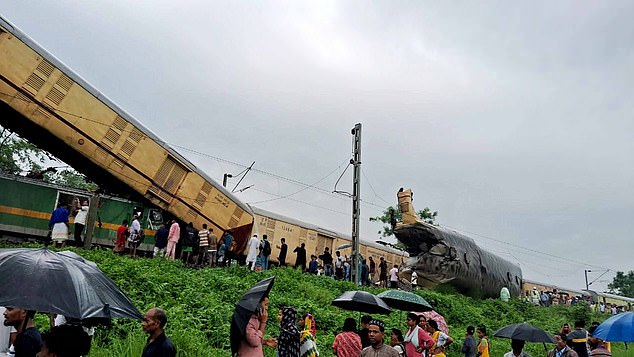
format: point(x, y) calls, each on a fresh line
point(252, 254)
point(326, 259)
point(265, 251)
point(59, 225)
point(80, 221)
point(300, 260)
point(172, 239)
point(161, 237)
point(281, 258)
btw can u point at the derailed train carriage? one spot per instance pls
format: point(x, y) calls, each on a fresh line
point(442, 256)
point(47, 103)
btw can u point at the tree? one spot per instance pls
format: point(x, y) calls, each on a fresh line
point(71, 178)
point(623, 284)
point(17, 155)
point(391, 215)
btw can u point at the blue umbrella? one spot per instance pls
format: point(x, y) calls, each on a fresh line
point(618, 328)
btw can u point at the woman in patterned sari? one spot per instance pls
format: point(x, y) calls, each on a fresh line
point(288, 341)
point(307, 345)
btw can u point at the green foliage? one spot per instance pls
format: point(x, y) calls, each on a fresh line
point(200, 303)
point(17, 154)
point(70, 178)
point(394, 214)
point(623, 284)
point(580, 312)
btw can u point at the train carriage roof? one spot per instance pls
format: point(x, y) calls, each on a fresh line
point(104, 99)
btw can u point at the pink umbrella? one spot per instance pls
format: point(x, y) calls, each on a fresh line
point(433, 315)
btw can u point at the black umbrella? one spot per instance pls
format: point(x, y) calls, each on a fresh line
point(524, 332)
point(45, 281)
point(361, 301)
point(245, 308)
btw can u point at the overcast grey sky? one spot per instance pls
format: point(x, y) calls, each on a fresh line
point(512, 119)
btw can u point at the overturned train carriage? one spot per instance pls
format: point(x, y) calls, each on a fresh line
point(441, 256)
point(54, 108)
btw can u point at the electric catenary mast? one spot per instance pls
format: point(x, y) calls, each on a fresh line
point(356, 200)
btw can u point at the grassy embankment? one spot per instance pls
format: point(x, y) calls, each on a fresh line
point(199, 304)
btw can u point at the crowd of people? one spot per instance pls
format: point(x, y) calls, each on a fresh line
point(19, 337)
point(422, 338)
point(555, 297)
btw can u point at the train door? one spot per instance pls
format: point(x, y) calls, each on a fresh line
point(72, 201)
point(323, 242)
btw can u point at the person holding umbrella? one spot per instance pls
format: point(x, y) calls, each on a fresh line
point(516, 349)
point(66, 341)
point(252, 341)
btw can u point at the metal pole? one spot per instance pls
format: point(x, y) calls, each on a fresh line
point(356, 199)
point(585, 272)
point(224, 179)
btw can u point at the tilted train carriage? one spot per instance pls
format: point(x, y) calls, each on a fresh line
point(47, 103)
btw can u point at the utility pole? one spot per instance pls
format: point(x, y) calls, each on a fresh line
point(224, 179)
point(585, 272)
point(356, 200)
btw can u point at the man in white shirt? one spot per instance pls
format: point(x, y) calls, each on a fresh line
point(252, 254)
point(394, 277)
point(80, 222)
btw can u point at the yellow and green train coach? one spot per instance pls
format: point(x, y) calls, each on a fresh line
point(47, 103)
point(26, 206)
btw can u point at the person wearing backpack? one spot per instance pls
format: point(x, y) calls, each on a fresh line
point(265, 252)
